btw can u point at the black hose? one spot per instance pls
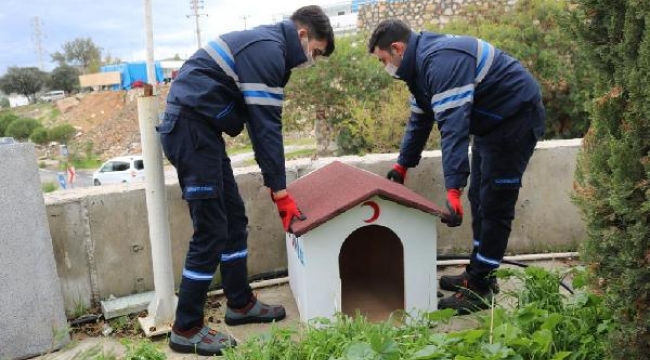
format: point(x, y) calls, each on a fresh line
point(505, 261)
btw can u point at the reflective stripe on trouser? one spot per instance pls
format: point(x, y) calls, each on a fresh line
point(218, 216)
point(499, 160)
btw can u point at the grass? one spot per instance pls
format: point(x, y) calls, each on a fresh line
point(240, 149)
point(49, 186)
point(87, 164)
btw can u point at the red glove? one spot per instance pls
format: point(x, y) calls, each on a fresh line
point(455, 208)
point(397, 174)
point(288, 209)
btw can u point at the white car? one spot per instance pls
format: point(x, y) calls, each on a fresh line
point(120, 170)
point(53, 96)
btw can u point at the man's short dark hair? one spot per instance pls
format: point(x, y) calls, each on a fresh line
point(388, 32)
point(317, 23)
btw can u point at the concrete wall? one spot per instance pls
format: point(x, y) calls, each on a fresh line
point(422, 13)
point(32, 320)
point(101, 236)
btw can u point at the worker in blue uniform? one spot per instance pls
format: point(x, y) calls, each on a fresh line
point(466, 87)
point(236, 79)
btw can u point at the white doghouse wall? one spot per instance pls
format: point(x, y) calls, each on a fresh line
point(313, 258)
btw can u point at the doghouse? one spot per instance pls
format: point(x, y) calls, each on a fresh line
point(368, 245)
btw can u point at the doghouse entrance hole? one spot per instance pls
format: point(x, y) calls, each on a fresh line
point(371, 266)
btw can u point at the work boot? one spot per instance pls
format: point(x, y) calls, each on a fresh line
point(468, 300)
point(455, 282)
point(255, 312)
point(200, 340)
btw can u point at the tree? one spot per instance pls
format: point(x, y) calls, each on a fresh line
point(26, 81)
point(22, 129)
point(110, 60)
point(613, 173)
point(39, 136)
point(328, 92)
point(64, 78)
point(533, 32)
point(4, 102)
point(5, 120)
point(80, 52)
point(62, 133)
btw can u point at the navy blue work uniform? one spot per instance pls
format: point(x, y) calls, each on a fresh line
point(467, 86)
point(236, 79)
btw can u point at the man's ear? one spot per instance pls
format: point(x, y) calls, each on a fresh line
point(303, 32)
point(398, 48)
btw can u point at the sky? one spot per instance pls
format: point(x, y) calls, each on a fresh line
point(117, 26)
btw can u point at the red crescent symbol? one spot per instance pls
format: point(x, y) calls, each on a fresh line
point(375, 208)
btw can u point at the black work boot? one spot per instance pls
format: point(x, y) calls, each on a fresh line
point(455, 282)
point(467, 301)
point(471, 295)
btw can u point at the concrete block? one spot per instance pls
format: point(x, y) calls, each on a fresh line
point(113, 308)
point(32, 320)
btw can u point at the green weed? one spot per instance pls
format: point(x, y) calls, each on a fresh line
point(544, 324)
point(143, 350)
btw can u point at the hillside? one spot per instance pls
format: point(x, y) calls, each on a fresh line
point(107, 119)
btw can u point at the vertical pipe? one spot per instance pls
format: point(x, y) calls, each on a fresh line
point(162, 307)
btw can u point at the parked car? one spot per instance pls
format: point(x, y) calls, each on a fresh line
point(123, 169)
point(53, 96)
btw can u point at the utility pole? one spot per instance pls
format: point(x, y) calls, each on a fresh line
point(37, 38)
point(244, 17)
point(196, 6)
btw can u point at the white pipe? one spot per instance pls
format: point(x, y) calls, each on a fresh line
point(258, 285)
point(525, 257)
point(163, 306)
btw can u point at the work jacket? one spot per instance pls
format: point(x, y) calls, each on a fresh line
point(466, 86)
point(239, 78)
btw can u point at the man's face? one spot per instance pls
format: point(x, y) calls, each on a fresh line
point(392, 55)
point(314, 47)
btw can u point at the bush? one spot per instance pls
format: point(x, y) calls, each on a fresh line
point(4, 102)
point(5, 120)
point(39, 136)
point(534, 33)
point(22, 129)
point(613, 174)
point(62, 133)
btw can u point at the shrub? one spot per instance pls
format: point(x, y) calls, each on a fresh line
point(39, 136)
point(613, 174)
point(62, 133)
point(22, 129)
point(6, 119)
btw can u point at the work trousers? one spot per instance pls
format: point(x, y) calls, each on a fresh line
point(218, 215)
point(499, 160)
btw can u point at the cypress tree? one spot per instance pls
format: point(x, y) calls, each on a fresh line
point(613, 174)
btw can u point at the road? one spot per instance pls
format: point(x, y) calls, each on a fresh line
point(84, 177)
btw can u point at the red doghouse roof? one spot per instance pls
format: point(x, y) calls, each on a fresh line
point(337, 187)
